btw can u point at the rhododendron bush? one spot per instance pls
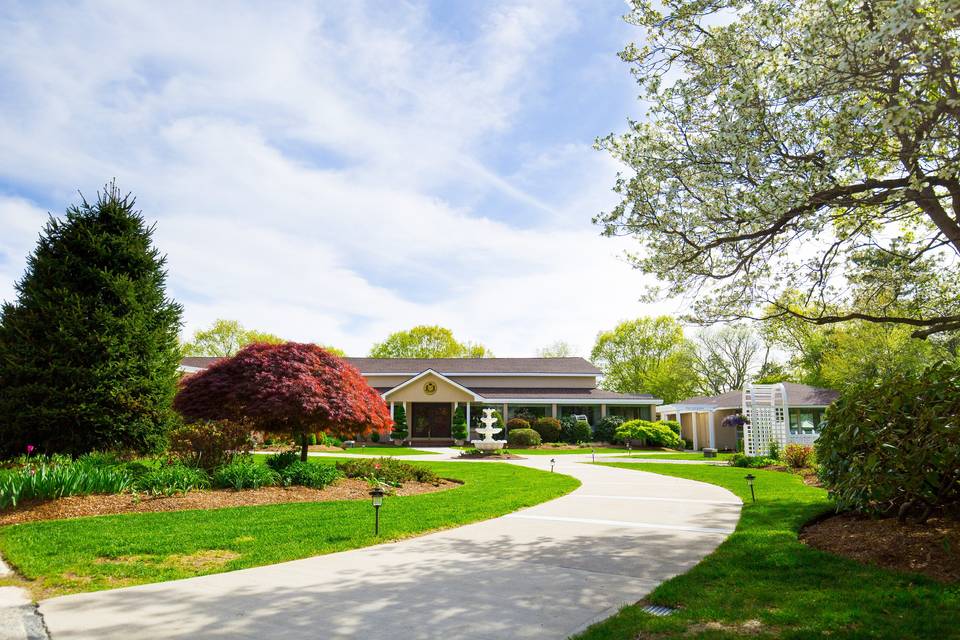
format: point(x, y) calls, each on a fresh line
point(292, 387)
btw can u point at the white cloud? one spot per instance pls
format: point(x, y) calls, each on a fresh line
point(298, 164)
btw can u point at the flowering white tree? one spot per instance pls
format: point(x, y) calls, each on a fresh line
point(797, 157)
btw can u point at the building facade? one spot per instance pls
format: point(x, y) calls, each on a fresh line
point(431, 389)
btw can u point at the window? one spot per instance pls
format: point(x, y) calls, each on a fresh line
point(805, 422)
point(629, 413)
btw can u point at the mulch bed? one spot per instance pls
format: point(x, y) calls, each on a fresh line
point(808, 475)
point(479, 455)
point(98, 505)
point(932, 549)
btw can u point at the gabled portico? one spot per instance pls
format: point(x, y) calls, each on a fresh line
point(429, 400)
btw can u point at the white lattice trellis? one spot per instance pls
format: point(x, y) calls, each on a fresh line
point(765, 408)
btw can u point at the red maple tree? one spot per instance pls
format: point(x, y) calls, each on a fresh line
point(294, 387)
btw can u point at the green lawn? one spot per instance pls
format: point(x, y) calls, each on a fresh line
point(90, 554)
point(385, 451)
point(695, 455)
point(547, 451)
point(762, 573)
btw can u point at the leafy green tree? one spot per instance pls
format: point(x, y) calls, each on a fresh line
point(772, 372)
point(802, 145)
point(647, 355)
point(558, 349)
point(225, 338)
point(427, 342)
point(88, 352)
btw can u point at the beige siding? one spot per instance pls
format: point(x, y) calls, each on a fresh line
point(415, 392)
point(686, 426)
point(726, 437)
point(703, 429)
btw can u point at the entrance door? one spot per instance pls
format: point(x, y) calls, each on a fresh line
point(431, 420)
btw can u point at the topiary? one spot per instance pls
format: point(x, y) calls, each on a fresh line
point(548, 428)
point(459, 428)
point(894, 447)
point(517, 423)
point(523, 437)
point(606, 429)
point(399, 423)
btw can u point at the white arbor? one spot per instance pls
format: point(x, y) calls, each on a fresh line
point(765, 408)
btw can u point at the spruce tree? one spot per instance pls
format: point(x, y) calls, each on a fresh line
point(89, 351)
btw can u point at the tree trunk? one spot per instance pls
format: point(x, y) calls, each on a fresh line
point(303, 447)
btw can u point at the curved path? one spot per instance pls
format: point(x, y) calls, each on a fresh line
point(543, 572)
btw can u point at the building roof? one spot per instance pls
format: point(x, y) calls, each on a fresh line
point(798, 395)
point(199, 362)
point(554, 394)
point(475, 366)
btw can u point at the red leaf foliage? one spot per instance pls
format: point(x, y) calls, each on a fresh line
point(300, 388)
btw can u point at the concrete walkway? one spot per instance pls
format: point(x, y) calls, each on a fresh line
point(544, 572)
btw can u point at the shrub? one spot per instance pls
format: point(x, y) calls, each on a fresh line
point(311, 439)
point(387, 470)
point(894, 448)
point(798, 456)
point(575, 431)
point(399, 423)
point(517, 423)
point(523, 438)
point(48, 481)
point(606, 429)
point(459, 429)
point(773, 450)
point(308, 474)
point(750, 462)
point(673, 425)
point(210, 443)
point(280, 461)
point(244, 473)
point(172, 478)
point(654, 434)
point(331, 441)
point(548, 428)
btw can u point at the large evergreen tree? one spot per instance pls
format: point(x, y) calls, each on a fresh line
point(89, 352)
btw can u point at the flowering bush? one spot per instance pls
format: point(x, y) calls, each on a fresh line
point(798, 456)
point(210, 443)
point(386, 470)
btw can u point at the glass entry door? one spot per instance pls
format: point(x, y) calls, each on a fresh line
point(431, 420)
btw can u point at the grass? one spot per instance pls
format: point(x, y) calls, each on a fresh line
point(762, 573)
point(104, 552)
point(384, 451)
point(695, 455)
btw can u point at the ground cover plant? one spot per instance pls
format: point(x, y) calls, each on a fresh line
point(88, 554)
point(763, 583)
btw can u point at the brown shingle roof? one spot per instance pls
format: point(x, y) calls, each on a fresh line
point(798, 395)
point(449, 366)
point(495, 394)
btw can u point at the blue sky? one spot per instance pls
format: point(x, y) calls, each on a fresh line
point(333, 172)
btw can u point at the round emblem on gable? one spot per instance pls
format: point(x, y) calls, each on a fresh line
point(430, 388)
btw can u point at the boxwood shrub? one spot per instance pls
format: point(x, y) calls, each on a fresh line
point(523, 438)
point(548, 428)
point(894, 447)
point(517, 423)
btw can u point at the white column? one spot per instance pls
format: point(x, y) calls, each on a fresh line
point(407, 417)
point(391, 409)
point(553, 410)
point(603, 411)
point(712, 436)
point(468, 422)
point(505, 418)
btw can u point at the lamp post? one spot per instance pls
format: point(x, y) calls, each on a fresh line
point(750, 478)
point(553, 461)
point(377, 495)
point(593, 455)
point(629, 452)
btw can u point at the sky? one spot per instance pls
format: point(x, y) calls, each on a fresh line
point(332, 172)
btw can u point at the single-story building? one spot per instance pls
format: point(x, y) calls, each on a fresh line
point(700, 417)
point(431, 389)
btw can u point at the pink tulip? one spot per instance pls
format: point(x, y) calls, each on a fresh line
point(30, 449)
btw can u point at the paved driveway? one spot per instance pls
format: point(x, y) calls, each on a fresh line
point(543, 572)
